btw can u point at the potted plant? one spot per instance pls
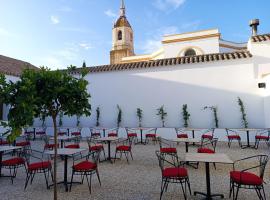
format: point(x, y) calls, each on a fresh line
point(119, 116)
point(214, 110)
point(162, 114)
point(186, 115)
point(243, 113)
point(98, 116)
point(139, 115)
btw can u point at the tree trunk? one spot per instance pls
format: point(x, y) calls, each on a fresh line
point(55, 159)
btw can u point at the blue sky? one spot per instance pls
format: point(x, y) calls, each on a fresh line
point(57, 33)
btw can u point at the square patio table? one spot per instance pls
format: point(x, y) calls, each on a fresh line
point(187, 141)
point(108, 140)
point(208, 158)
point(2, 150)
point(65, 152)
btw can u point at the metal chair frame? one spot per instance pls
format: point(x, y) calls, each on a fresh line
point(231, 132)
point(124, 142)
point(261, 133)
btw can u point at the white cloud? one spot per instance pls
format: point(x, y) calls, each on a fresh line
point(55, 19)
point(151, 45)
point(168, 4)
point(110, 13)
point(86, 46)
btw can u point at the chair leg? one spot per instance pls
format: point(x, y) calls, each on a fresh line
point(126, 154)
point(131, 155)
point(163, 183)
point(89, 183)
point(71, 181)
point(263, 192)
point(184, 193)
point(28, 175)
point(98, 177)
point(188, 183)
point(238, 186)
point(229, 143)
point(46, 180)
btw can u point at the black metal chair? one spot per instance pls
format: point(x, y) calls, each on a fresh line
point(37, 165)
point(167, 147)
point(86, 168)
point(151, 134)
point(262, 135)
point(132, 134)
point(181, 133)
point(233, 135)
point(172, 171)
point(123, 147)
point(247, 178)
point(207, 134)
point(209, 147)
point(95, 132)
point(113, 132)
point(94, 145)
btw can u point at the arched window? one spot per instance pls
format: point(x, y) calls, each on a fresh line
point(190, 52)
point(119, 35)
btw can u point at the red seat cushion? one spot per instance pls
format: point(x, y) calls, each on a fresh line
point(61, 133)
point(3, 142)
point(183, 135)
point(41, 133)
point(23, 144)
point(112, 134)
point(39, 165)
point(175, 172)
point(207, 136)
point(205, 150)
point(168, 150)
point(96, 147)
point(95, 134)
point(50, 146)
point(236, 137)
point(73, 146)
point(76, 133)
point(85, 166)
point(13, 162)
point(261, 137)
point(123, 148)
point(150, 135)
point(245, 178)
point(132, 135)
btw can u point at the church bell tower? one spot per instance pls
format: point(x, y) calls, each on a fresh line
point(122, 38)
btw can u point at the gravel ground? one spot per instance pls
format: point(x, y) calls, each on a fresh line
point(140, 179)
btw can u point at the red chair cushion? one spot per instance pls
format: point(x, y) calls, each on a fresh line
point(205, 150)
point(95, 134)
point(96, 147)
point(112, 134)
point(172, 172)
point(76, 133)
point(39, 165)
point(61, 133)
point(245, 178)
point(50, 146)
point(73, 146)
point(207, 136)
point(13, 162)
point(183, 135)
point(85, 166)
point(234, 137)
point(41, 133)
point(150, 135)
point(23, 144)
point(261, 137)
point(132, 135)
point(3, 142)
point(123, 148)
point(168, 150)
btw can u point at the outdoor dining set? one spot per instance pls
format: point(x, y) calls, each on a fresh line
point(174, 169)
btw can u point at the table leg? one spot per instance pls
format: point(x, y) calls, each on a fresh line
point(248, 142)
point(186, 143)
point(208, 194)
point(104, 132)
point(141, 136)
point(193, 136)
point(68, 131)
point(65, 173)
point(34, 134)
point(62, 144)
point(109, 150)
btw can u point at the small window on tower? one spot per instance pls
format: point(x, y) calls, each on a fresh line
point(190, 52)
point(131, 37)
point(119, 35)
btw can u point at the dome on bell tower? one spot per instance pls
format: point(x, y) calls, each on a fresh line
point(122, 22)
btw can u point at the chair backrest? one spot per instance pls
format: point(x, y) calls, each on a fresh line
point(112, 132)
point(94, 156)
point(263, 159)
point(209, 131)
point(125, 142)
point(95, 132)
point(62, 131)
point(263, 132)
point(166, 143)
point(151, 130)
point(46, 139)
point(231, 132)
point(181, 133)
point(210, 144)
point(164, 161)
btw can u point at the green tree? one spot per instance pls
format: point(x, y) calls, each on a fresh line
point(139, 115)
point(119, 116)
point(98, 116)
point(44, 92)
point(84, 64)
point(243, 113)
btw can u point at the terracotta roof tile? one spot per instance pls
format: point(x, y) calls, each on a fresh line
point(260, 38)
point(170, 62)
point(14, 67)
